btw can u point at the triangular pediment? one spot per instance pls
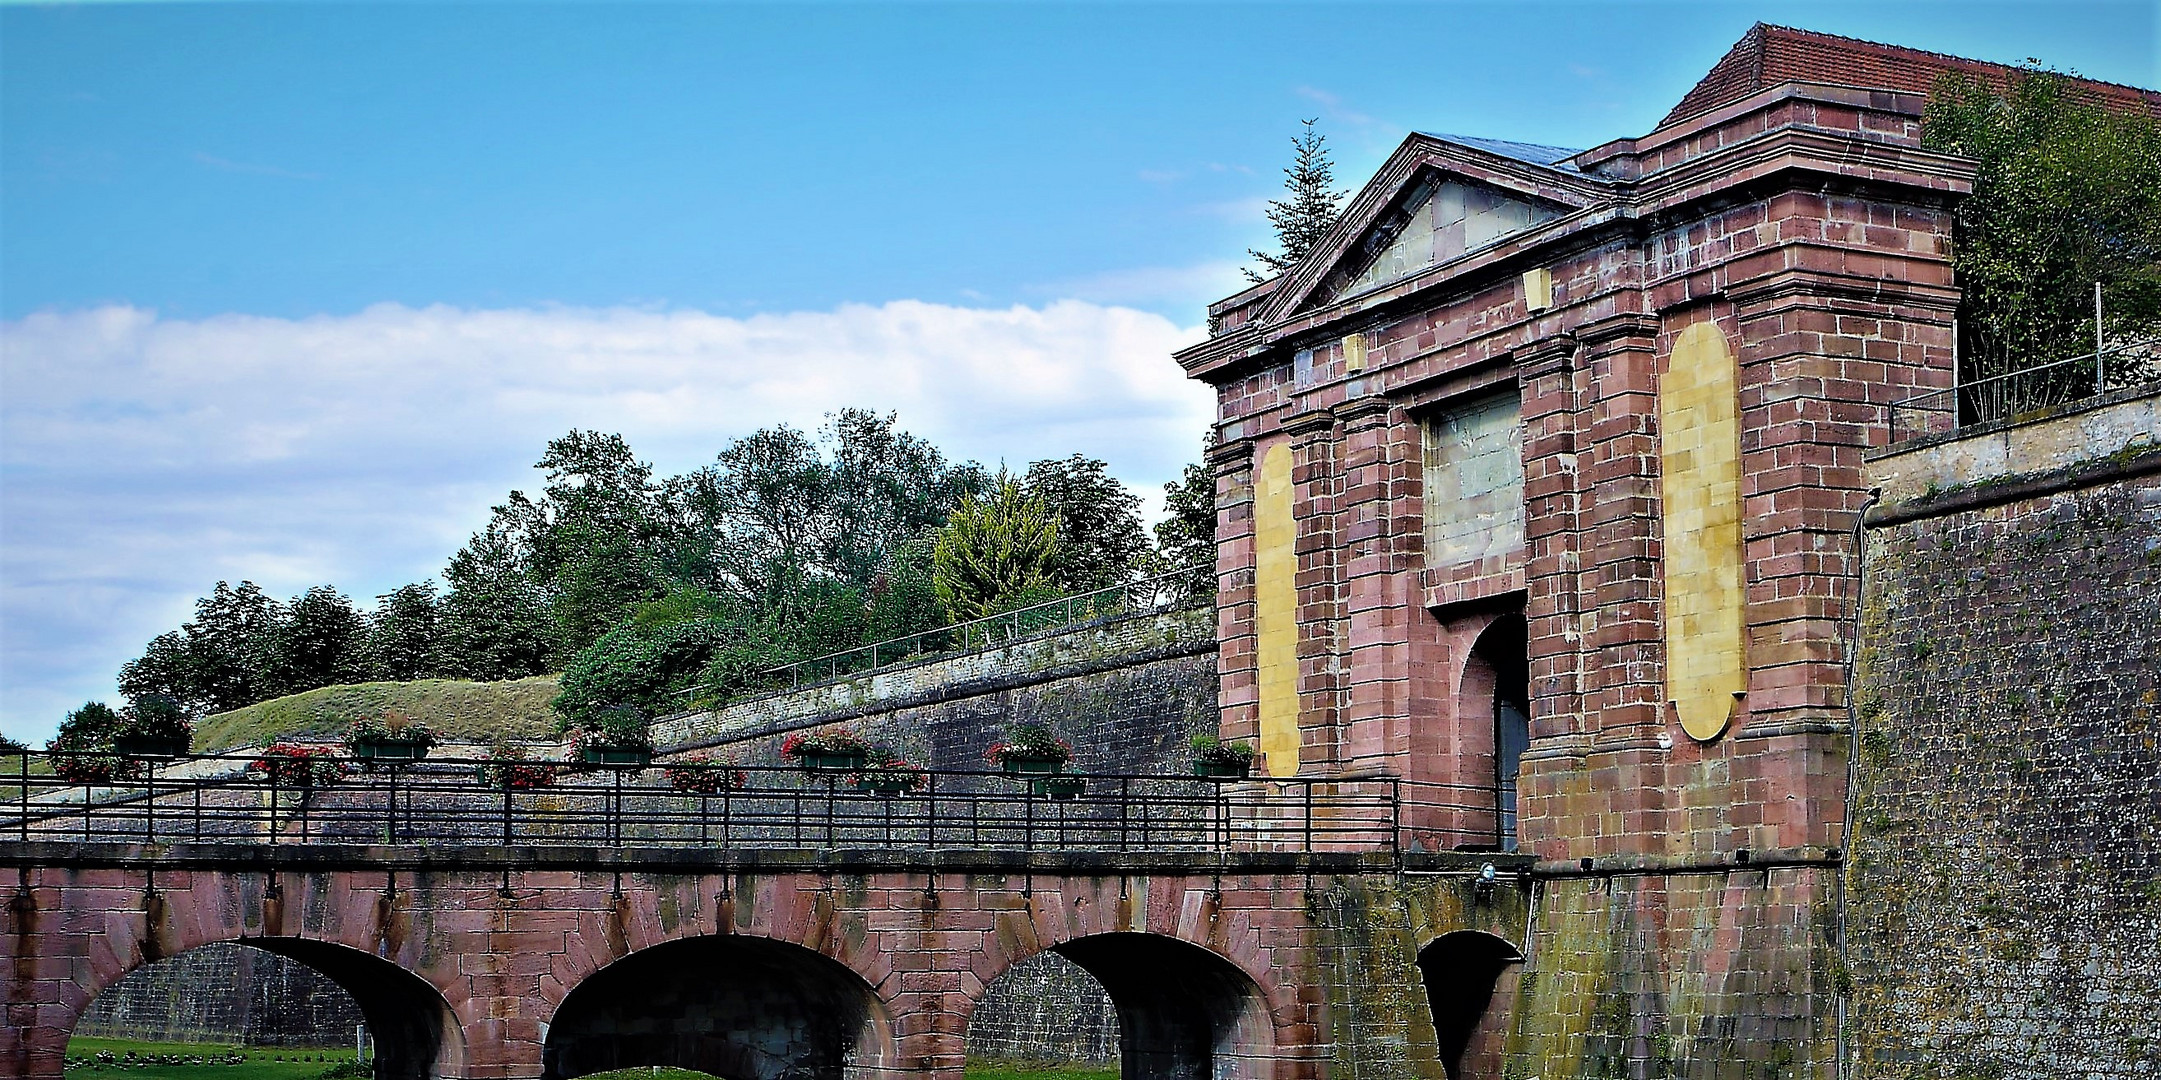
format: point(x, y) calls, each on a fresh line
point(1436, 200)
point(1441, 218)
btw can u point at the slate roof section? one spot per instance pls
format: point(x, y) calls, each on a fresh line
point(1552, 157)
point(1769, 55)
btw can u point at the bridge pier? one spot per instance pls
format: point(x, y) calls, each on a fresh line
point(539, 964)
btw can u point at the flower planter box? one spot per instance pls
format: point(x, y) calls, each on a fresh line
point(1030, 765)
point(151, 746)
point(617, 757)
point(1058, 788)
point(843, 761)
point(390, 749)
point(1235, 770)
point(885, 789)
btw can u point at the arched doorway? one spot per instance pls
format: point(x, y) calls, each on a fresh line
point(1496, 690)
point(1184, 1013)
point(1461, 971)
point(744, 1008)
point(229, 992)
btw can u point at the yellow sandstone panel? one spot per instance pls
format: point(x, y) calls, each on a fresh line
point(1700, 464)
point(1275, 596)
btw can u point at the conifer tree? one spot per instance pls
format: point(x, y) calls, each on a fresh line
point(1311, 208)
point(995, 553)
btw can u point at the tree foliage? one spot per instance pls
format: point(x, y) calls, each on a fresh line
point(1301, 219)
point(318, 640)
point(1187, 534)
point(789, 545)
point(996, 553)
point(406, 634)
point(1100, 538)
point(2067, 194)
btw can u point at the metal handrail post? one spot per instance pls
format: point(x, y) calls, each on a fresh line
point(1309, 817)
point(930, 811)
point(1395, 818)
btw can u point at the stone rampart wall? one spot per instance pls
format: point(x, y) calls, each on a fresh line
point(2005, 874)
point(1127, 692)
point(225, 993)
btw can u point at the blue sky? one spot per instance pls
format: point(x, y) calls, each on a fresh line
point(293, 292)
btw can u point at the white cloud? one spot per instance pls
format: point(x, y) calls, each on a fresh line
point(1185, 287)
point(146, 458)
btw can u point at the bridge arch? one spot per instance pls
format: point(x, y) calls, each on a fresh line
point(416, 1034)
point(1185, 1012)
point(737, 1006)
point(1462, 971)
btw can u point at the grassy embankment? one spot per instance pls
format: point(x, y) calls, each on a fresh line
point(456, 709)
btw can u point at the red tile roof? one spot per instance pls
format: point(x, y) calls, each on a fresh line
point(1769, 55)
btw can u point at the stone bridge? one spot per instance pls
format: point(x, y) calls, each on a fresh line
point(534, 961)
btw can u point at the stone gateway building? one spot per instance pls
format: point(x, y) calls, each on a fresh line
point(1629, 703)
point(1542, 474)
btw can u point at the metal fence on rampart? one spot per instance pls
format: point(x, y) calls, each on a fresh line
point(2028, 389)
point(1192, 586)
point(230, 799)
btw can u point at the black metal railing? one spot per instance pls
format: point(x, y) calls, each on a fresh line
point(2040, 386)
point(1192, 586)
point(211, 798)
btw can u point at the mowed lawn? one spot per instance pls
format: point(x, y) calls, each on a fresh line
point(1038, 1070)
point(977, 1070)
point(285, 1063)
point(263, 1062)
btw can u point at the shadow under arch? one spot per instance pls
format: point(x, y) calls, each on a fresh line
point(1461, 970)
point(416, 1034)
point(734, 1006)
point(1184, 1012)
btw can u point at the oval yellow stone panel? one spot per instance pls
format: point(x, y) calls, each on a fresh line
point(1699, 415)
point(1275, 614)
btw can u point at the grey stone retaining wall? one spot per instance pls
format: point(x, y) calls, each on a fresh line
point(1045, 1008)
point(225, 994)
point(2005, 879)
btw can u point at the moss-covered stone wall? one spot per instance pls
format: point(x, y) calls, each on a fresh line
point(1718, 975)
point(2005, 869)
point(1127, 692)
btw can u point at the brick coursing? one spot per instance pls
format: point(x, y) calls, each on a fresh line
point(1299, 967)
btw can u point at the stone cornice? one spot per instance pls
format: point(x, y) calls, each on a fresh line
point(1306, 423)
point(1796, 288)
point(1625, 328)
point(1782, 158)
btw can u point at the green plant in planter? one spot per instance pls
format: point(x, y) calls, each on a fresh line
point(832, 750)
point(300, 766)
point(1058, 788)
point(1030, 749)
point(889, 778)
point(154, 726)
point(704, 773)
point(1212, 756)
point(620, 736)
point(508, 767)
point(393, 736)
